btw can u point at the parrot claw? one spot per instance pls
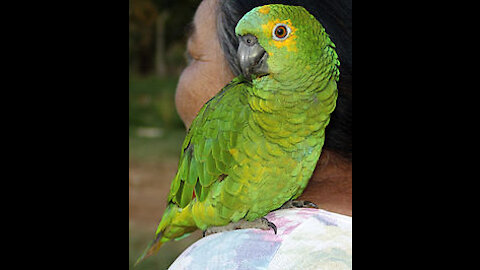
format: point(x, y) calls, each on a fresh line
point(271, 225)
point(261, 223)
point(299, 204)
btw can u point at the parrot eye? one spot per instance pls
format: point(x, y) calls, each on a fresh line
point(281, 31)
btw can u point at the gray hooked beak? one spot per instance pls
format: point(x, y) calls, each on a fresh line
point(252, 57)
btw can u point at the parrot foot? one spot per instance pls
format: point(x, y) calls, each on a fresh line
point(298, 204)
point(260, 223)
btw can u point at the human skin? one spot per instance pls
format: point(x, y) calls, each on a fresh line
point(208, 72)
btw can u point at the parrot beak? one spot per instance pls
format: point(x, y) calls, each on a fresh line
point(252, 57)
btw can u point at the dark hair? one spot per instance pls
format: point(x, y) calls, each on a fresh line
point(336, 17)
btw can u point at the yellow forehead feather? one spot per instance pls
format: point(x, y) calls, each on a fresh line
point(264, 9)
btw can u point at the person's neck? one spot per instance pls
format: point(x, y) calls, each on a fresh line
point(331, 184)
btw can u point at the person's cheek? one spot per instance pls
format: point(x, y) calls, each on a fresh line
point(197, 84)
point(183, 95)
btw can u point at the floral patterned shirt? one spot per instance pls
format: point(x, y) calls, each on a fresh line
point(306, 239)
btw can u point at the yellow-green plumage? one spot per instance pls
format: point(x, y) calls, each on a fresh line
point(255, 145)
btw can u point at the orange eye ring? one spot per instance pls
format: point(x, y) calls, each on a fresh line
point(281, 32)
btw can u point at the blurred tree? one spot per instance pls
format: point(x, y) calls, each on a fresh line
point(142, 18)
point(154, 31)
point(160, 65)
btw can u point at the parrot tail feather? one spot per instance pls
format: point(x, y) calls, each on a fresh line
point(152, 248)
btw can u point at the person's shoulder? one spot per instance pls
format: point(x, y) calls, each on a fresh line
point(306, 239)
point(320, 240)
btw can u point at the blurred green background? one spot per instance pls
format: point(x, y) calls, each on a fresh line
point(157, 43)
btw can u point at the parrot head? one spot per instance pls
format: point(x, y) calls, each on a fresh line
point(280, 40)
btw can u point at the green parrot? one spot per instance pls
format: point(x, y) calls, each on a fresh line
point(254, 146)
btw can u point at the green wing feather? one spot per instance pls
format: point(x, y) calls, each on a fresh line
point(205, 155)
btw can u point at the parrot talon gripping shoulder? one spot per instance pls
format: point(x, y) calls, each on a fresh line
point(260, 223)
point(299, 204)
